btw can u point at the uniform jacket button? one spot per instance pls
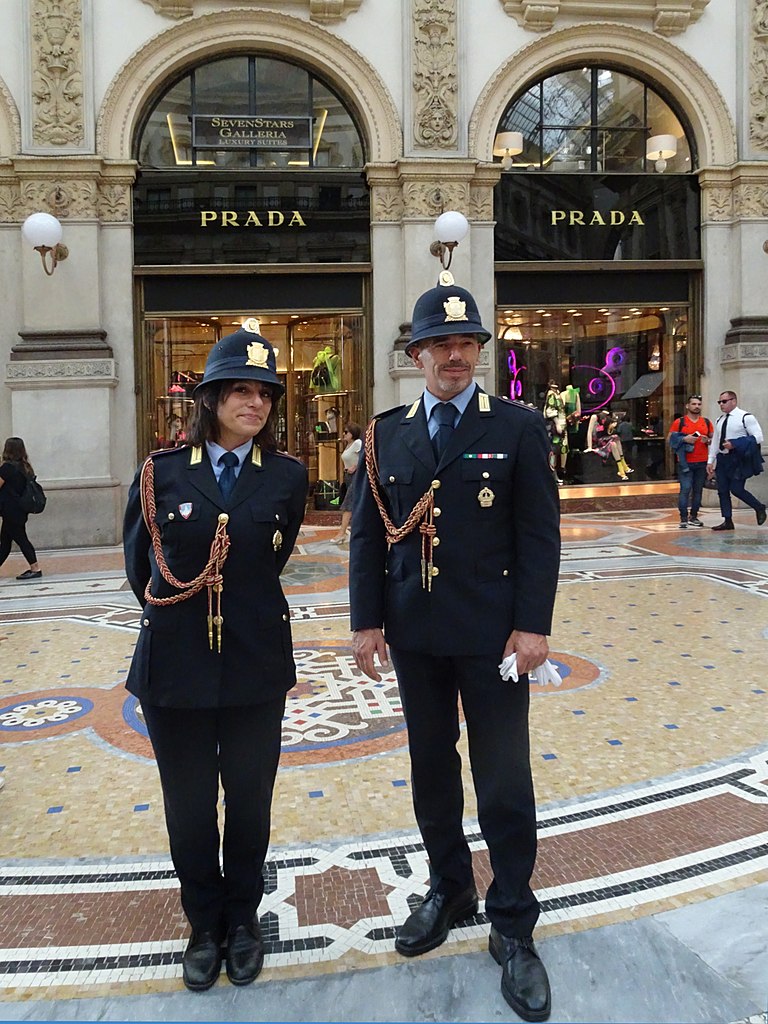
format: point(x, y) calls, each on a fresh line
point(286, 616)
point(391, 479)
point(436, 511)
point(435, 570)
point(435, 485)
point(171, 515)
point(505, 573)
point(486, 476)
point(146, 622)
point(435, 542)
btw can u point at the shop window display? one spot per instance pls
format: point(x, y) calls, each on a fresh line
point(608, 381)
point(319, 358)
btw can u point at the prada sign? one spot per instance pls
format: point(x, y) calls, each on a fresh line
point(252, 219)
point(541, 216)
point(585, 218)
point(220, 131)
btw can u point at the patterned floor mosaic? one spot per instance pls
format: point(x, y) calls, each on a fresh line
point(650, 763)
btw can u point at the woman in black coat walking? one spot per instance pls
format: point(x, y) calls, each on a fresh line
point(208, 529)
point(15, 471)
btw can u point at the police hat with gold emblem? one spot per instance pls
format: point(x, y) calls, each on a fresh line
point(244, 355)
point(443, 310)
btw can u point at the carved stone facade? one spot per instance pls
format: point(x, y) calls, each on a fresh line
point(57, 61)
point(75, 188)
point(435, 74)
point(668, 17)
point(758, 76)
point(321, 11)
point(423, 189)
point(735, 194)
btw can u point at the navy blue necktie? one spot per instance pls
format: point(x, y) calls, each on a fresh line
point(444, 414)
point(227, 479)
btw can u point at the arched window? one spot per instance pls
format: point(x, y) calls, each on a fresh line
point(274, 113)
point(593, 119)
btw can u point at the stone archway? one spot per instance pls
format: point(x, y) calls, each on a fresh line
point(10, 124)
point(198, 39)
point(682, 78)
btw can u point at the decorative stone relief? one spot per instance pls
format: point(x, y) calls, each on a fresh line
point(668, 17)
point(428, 199)
point(753, 355)
point(386, 204)
point(401, 364)
point(758, 76)
point(321, 11)
point(77, 189)
point(114, 201)
point(70, 199)
point(56, 41)
point(102, 370)
point(717, 204)
point(435, 61)
point(751, 201)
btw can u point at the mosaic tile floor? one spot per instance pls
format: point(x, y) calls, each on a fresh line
point(650, 762)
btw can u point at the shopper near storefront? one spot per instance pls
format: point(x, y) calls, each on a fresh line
point(15, 471)
point(454, 563)
point(350, 458)
point(734, 456)
point(690, 436)
point(208, 529)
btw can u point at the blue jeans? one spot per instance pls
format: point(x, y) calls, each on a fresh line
point(729, 482)
point(691, 486)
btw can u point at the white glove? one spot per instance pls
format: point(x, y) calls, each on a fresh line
point(544, 675)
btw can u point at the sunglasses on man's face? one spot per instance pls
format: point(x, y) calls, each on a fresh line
point(695, 398)
point(724, 401)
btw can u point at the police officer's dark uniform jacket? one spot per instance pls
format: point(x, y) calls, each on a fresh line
point(174, 665)
point(495, 564)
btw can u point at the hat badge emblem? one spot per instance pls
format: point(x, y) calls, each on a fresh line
point(257, 354)
point(251, 324)
point(455, 308)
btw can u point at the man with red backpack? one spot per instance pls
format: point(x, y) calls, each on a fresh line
point(690, 436)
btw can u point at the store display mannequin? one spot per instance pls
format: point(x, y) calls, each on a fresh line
point(602, 439)
point(555, 416)
point(326, 371)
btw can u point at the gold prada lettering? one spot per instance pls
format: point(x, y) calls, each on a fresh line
point(597, 219)
point(251, 219)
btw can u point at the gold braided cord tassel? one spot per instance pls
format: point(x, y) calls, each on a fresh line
point(210, 577)
point(420, 515)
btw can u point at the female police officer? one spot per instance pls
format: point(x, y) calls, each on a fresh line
point(208, 529)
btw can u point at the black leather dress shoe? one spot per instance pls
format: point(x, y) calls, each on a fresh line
point(245, 954)
point(760, 515)
point(429, 924)
point(727, 524)
point(201, 961)
point(524, 981)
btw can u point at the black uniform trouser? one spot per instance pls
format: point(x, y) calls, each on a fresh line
point(11, 531)
point(496, 715)
point(193, 749)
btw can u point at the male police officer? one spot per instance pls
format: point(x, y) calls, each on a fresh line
point(454, 552)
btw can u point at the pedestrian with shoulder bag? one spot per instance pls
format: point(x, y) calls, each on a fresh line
point(17, 500)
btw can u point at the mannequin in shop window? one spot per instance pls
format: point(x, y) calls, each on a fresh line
point(326, 371)
point(556, 421)
point(603, 439)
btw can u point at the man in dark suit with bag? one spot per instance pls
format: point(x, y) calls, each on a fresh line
point(454, 559)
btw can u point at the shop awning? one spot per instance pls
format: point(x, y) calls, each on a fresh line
point(644, 386)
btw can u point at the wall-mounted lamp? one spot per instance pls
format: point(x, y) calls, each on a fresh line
point(661, 148)
point(450, 228)
point(506, 145)
point(43, 232)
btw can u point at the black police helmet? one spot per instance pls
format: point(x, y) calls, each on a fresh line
point(244, 355)
point(443, 310)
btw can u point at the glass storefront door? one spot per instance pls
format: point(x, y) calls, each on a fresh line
point(320, 360)
point(609, 380)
